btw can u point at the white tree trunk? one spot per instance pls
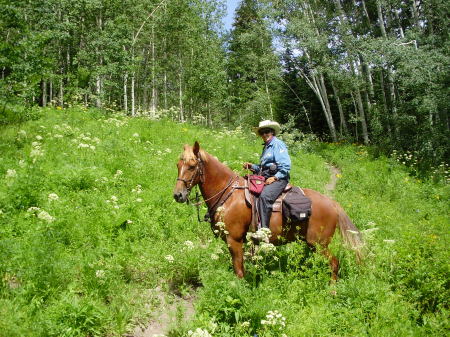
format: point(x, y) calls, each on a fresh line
point(133, 111)
point(125, 92)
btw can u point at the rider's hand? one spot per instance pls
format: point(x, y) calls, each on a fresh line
point(270, 180)
point(247, 166)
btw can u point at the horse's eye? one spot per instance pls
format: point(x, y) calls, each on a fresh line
point(191, 167)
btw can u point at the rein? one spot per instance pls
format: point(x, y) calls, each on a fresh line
point(220, 201)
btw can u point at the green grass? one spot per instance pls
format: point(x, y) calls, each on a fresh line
point(91, 264)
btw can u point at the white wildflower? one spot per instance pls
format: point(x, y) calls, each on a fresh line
point(214, 256)
point(129, 221)
point(189, 244)
point(261, 235)
point(168, 150)
point(33, 209)
point(22, 133)
point(139, 200)
point(245, 324)
point(92, 147)
point(53, 197)
point(22, 163)
point(114, 198)
point(11, 173)
point(118, 174)
point(36, 152)
point(199, 333)
point(83, 145)
point(169, 258)
point(38, 137)
point(266, 247)
point(389, 241)
point(100, 273)
point(43, 215)
point(136, 135)
point(137, 189)
point(274, 319)
point(58, 136)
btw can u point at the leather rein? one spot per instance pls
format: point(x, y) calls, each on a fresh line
point(220, 201)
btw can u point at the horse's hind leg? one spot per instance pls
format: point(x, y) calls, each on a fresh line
point(334, 263)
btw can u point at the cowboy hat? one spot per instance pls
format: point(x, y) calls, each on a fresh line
point(268, 124)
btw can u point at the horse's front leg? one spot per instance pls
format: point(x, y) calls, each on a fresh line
point(237, 255)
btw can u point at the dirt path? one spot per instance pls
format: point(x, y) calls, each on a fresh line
point(334, 171)
point(172, 311)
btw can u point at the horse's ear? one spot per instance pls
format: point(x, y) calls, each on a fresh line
point(196, 148)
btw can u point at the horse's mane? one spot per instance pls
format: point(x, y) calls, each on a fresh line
point(188, 154)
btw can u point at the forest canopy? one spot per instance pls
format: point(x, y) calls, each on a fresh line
point(368, 71)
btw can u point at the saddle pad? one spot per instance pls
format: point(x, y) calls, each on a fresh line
point(296, 205)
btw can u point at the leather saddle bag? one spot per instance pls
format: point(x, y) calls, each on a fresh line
point(256, 183)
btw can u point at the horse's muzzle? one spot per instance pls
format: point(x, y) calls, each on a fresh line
point(180, 196)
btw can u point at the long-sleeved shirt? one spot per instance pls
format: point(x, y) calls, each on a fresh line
point(275, 152)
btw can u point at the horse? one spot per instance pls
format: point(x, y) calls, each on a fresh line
point(223, 192)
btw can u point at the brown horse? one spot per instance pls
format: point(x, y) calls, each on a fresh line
point(221, 187)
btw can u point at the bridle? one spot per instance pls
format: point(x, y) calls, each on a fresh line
point(222, 198)
point(198, 172)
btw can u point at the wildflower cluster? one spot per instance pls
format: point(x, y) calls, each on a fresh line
point(220, 228)
point(137, 190)
point(117, 122)
point(261, 235)
point(226, 133)
point(441, 172)
point(53, 197)
point(65, 129)
point(189, 244)
point(274, 320)
point(113, 201)
point(11, 173)
point(199, 333)
point(36, 151)
point(40, 214)
point(86, 141)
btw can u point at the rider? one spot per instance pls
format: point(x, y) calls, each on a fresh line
point(275, 165)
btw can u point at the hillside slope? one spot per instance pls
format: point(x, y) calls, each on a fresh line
point(90, 238)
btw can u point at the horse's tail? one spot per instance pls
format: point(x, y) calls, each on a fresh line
point(350, 234)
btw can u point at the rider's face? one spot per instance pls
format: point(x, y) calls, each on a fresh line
point(266, 134)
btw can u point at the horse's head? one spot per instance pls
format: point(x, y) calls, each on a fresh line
point(190, 172)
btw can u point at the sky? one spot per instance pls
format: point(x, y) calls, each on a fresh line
point(231, 6)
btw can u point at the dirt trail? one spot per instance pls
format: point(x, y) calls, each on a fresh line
point(334, 171)
point(172, 311)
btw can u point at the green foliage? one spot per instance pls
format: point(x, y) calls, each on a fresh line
point(90, 237)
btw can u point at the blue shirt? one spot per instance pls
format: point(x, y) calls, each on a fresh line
point(275, 152)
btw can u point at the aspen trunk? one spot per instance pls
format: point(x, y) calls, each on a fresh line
point(342, 123)
point(180, 93)
point(133, 111)
point(153, 102)
point(44, 93)
point(50, 89)
point(61, 91)
point(125, 92)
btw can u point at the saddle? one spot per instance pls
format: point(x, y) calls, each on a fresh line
point(293, 204)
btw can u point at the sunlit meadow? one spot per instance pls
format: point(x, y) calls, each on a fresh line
point(91, 238)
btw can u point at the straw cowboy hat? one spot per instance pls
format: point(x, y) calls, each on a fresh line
point(268, 124)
